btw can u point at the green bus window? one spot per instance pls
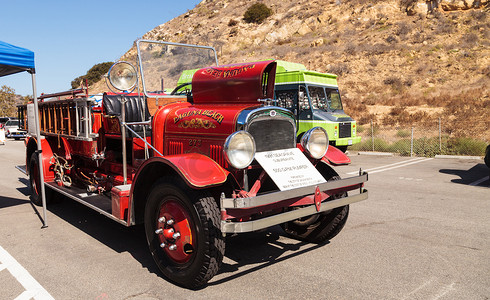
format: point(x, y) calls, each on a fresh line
point(334, 102)
point(304, 104)
point(317, 96)
point(286, 98)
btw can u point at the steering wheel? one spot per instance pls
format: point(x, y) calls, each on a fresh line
point(186, 91)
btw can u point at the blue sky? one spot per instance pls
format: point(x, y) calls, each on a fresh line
point(69, 37)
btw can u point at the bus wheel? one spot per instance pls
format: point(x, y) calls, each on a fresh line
point(320, 227)
point(342, 148)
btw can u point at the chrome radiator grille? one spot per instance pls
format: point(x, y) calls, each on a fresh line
point(272, 133)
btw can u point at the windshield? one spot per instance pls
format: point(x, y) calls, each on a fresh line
point(12, 123)
point(324, 98)
point(162, 64)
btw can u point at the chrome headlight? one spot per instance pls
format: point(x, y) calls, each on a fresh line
point(122, 75)
point(315, 142)
point(239, 149)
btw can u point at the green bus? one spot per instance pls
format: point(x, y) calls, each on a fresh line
point(314, 98)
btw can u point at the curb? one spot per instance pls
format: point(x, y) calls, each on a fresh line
point(375, 153)
point(458, 156)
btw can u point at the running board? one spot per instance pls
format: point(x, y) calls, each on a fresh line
point(22, 168)
point(100, 203)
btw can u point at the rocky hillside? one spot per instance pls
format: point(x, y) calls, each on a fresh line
point(398, 61)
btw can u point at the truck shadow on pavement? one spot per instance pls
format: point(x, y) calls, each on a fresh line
point(264, 247)
point(470, 176)
point(9, 201)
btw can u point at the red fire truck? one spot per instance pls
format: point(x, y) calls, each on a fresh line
point(193, 162)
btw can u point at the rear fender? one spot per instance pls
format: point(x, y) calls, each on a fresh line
point(47, 153)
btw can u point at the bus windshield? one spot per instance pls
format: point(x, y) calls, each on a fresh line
point(324, 98)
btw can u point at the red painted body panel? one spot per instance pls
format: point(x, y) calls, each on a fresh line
point(335, 157)
point(197, 170)
point(237, 83)
point(47, 153)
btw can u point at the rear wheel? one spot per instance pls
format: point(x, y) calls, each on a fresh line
point(183, 232)
point(35, 181)
point(320, 227)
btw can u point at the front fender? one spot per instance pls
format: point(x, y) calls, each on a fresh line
point(335, 157)
point(197, 170)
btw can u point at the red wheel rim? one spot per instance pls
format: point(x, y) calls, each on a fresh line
point(181, 248)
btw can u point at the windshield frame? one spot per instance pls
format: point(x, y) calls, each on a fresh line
point(140, 62)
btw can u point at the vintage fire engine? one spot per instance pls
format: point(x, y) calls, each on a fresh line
point(211, 157)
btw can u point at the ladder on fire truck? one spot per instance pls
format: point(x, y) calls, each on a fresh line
point(68, 114)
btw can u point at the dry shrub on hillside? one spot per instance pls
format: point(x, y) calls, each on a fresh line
point(391, 39)
point(468, 40)
point(402, 29)
point(339, 69)
point(365, 119)
point(444, 26)
point(398, 115)
point(257, 13)
point(479, 15)
point(395, 83)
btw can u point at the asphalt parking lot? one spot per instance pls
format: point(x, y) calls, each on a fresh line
point(424, 233)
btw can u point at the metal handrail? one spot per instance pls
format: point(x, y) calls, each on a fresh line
point(138, 136)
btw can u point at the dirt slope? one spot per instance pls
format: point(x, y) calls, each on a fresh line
point(387, 53)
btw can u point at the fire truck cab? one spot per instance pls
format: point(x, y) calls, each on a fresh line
point(192, 161)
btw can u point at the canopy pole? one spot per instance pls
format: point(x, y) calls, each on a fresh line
point(39, 150)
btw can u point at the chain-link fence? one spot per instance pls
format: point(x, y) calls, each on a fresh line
point(433, 137)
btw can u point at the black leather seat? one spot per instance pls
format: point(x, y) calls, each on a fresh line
point(136, 111)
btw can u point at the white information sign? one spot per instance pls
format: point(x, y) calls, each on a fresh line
point(31, 119)
point(289, 168)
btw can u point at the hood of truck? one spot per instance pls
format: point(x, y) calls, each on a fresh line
point(234, 84)
point(338, 116)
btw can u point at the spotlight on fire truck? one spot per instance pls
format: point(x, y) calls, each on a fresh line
point(122, 76)
point(239, 149)
point(315, 142)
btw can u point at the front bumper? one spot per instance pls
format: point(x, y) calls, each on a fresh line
point(347, 141)
point(16, 135)
point(228, 226)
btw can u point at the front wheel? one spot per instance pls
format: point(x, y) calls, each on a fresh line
point(183, 232)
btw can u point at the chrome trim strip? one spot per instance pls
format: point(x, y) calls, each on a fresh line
point(239, 227)
point(244, 117)
point(289, 194)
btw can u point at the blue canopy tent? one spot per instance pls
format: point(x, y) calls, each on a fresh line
point(13, 60)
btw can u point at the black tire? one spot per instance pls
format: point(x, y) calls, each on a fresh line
point(487, 156)
point(321, 227)
point(190, 265)
point(35, 182)
point(342, 148)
